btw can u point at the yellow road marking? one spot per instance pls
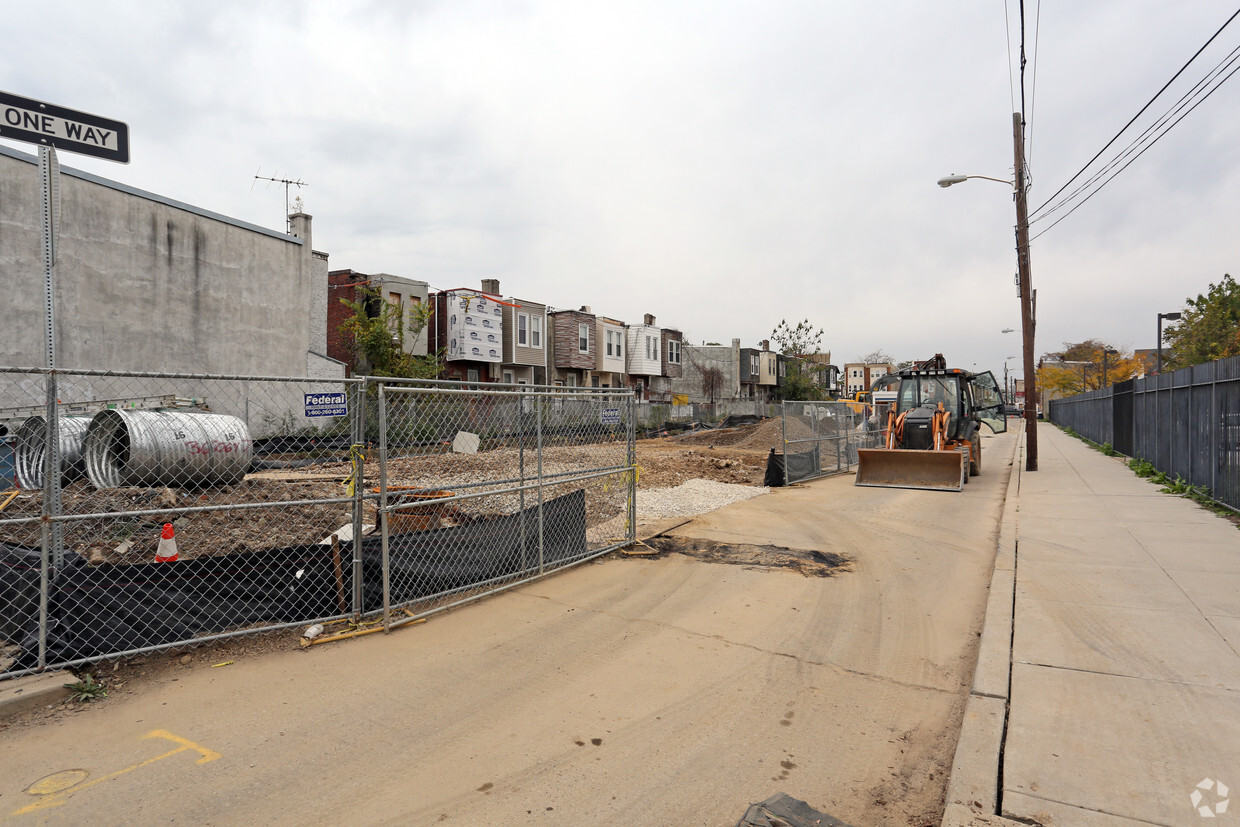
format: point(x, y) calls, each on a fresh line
point(55, 799)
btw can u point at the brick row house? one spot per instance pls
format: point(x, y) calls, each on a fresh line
point(483, 336)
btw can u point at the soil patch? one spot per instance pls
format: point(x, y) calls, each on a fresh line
point(807, 562)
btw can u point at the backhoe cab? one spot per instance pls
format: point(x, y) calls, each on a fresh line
point(932, 436)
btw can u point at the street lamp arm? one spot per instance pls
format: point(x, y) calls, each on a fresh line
point(948, 180)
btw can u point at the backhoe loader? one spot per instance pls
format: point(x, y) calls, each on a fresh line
point(932, 436)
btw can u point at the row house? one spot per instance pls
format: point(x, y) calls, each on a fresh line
point(467, 327)
point(407, 296)
point(860, 376)
point(574, 348)
point(655, 359)
point(525, 340)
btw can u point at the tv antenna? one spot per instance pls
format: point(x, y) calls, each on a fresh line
point(287, 182)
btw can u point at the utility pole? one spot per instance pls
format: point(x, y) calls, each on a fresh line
point(1027, 321)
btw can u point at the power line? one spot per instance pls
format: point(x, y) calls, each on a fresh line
point(1007, 37)
point(1145, 135)
point(1142, 152)
point(1138, 115)
point(1033, 92)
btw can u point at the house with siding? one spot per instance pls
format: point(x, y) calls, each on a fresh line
point(610, 359)
point(644, 362)
point(574, 347)
point(525, 340)
point(671, 363)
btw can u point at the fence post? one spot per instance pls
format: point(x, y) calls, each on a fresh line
point(632, 461)
point(525, 563)
point(382, 512)
point(357, 455)
point(538, 431)
point(783, 430)
point(51, 509)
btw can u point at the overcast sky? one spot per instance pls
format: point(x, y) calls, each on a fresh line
point(722, 165)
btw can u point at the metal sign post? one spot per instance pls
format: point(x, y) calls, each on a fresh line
point(51, 127)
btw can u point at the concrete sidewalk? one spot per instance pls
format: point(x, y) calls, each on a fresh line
point(1124, 695)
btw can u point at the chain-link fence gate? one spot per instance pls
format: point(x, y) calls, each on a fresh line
point(821, 438)
point(154, 510)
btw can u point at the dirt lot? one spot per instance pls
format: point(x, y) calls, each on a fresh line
point(724, 456)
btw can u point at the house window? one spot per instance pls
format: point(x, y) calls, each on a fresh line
point(583, 338)
point(536, 331)
point(572, 380)
point(753, 364)
point(652, 349)
point(523, 329)
point(673, 352)
point(607, 336)
point(472, 375)
point(507, 377)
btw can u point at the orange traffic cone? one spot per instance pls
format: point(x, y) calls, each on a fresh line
point(167, 551)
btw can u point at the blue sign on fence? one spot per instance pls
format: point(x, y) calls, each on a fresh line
point(610, 416)
point(326, 404)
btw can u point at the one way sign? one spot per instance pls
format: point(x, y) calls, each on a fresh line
point(46, 124)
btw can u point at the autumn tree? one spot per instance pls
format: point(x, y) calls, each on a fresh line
point(1209, 327)
point(800, 343)
point(378, 330)
point(1079, 367)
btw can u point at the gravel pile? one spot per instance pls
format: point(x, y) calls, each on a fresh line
point(691, 498)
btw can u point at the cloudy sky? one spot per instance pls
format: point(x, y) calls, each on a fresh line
point(722, 165)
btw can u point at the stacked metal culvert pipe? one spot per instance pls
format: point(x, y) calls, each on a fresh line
point(166, 448)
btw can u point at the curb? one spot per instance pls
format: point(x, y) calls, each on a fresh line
point(973, 788)
point(30, 691)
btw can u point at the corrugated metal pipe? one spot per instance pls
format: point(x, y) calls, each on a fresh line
point(30, 452)
point(166, 448)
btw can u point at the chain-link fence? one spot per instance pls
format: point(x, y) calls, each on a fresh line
point(820, 438)
point(150, 510)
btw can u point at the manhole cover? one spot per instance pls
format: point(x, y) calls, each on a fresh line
point(57, 782)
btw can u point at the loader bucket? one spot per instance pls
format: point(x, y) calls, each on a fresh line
point(906, 468)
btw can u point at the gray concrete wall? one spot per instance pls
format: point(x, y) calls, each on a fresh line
point(697, 359)
point(147, 283)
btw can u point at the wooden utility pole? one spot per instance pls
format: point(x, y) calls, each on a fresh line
point(1027, 321)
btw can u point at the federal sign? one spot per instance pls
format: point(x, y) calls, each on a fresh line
point(609, 416)
point(46, 124)
point(326, 404)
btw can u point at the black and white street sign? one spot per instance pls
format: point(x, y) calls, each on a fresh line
point(46, 124)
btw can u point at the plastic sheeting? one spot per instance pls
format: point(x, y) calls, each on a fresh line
point(799, 467)
point(106, 609)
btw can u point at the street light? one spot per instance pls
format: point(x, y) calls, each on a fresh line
point(1006, 392)
point(1020, 190)
point(1171, 317)
point(1083, 365)
point(1105, 352)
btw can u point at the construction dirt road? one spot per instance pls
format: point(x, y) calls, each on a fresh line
point(670, 689)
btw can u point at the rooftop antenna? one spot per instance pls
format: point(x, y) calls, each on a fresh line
point(288, 224)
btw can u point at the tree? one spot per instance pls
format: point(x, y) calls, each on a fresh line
point(877, 357)
point(377, 330)
point(713, 381)
point(1209, 328)
point(803, 378)
point(1085, 369)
